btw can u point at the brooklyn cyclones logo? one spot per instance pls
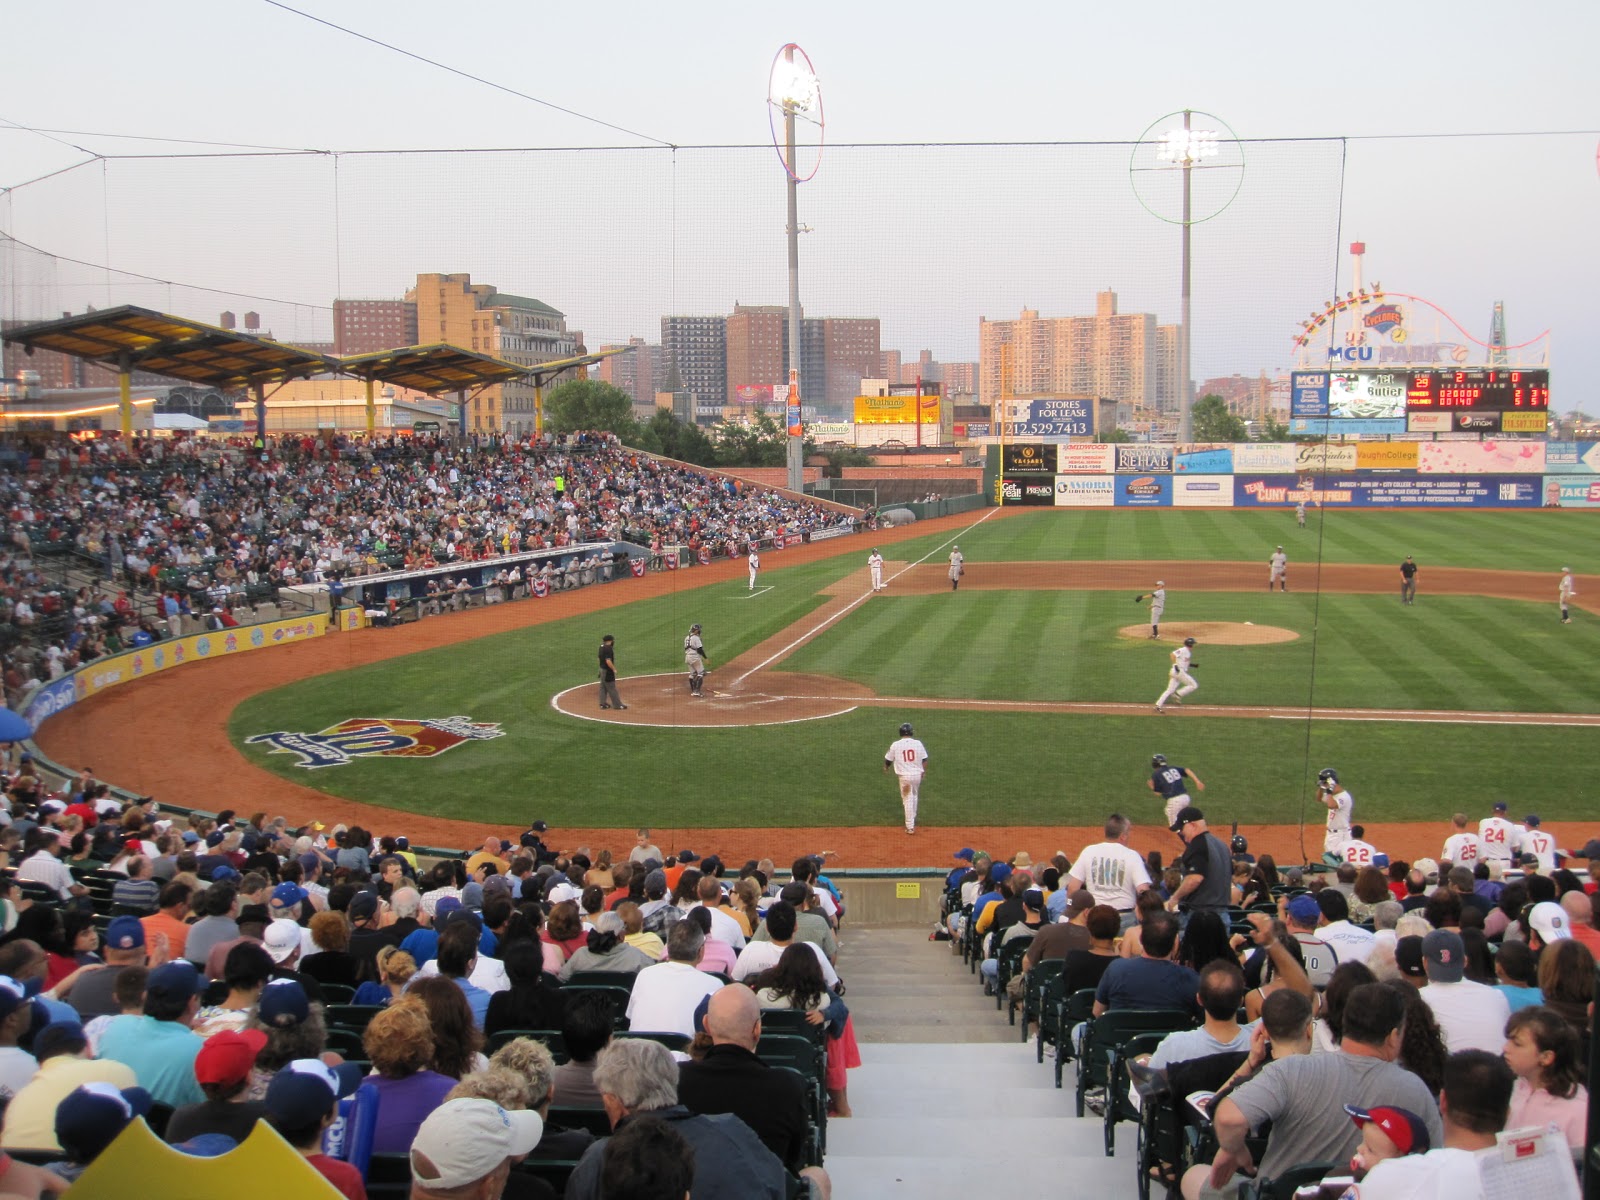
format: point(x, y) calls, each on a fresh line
point(377, 737)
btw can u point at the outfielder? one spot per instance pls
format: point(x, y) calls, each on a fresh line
point(1158, 605)
point(1566, 592)
point(755, 567)
point(1340, 805)
point(875, 565)
point(1180, 683)
point(694, 653)
point(908, 758)
point(1279, 566)
point(1300, 514)
point(957, 567)
point(1408, 581)
point(1167, 780)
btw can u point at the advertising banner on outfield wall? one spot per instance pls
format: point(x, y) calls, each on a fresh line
point(1269, 458)
point(1319, 458)
point(1143, 460)
point(1028, 489)
point(1202, 491)
point(1386, 456)
point(1572, 458)
point(60, 695)
point(1346, 426)
point(1390, 491)
point(1086, 458)
point(123, 668)
point(1571, 491)
point(1204, 460)
point(1144, 491)
point(1481, 458)
point(1086, 491)
point(1029, 457)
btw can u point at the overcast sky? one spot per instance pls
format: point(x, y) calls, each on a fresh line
point(928, 238)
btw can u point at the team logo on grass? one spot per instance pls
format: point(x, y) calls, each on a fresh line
point(377, 737)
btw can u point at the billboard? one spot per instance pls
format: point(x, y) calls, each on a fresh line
point(1269, 458)
point(1571, 491)
point(1028, 489)
point(1321, 458)
point(1085, 491)
point(1481, 458)
point(1367, 395)
point(831, 431)
point(1086, 458)
point(754, 393)
point(1427, 422)
point(1034, 458)
point(1202, 491)
point(1308, 393)
point(896, 410)
point(1326, 428)
point(1204, 460)
point(1143, 491)
point(1390, 491)
point(1051, 419)
point(1572, 458)
point(1143, 460)
point(1386, 456)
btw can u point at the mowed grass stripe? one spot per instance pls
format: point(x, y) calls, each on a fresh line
point(1370, 657)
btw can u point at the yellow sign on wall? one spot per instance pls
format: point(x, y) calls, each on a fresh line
point(895, 410)
point(1524, 422)
point(1386, 456)
point(908, 891)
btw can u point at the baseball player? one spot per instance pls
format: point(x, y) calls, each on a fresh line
point(1158, 605)
point(875, 565)
point(694, 653)
point(1498, 837)
point(1300, 514)
point(1408, 581)
point(1540, 845)
point(958, 567)
point(1566, 592)
point(1340, 804)
point(755, 567)
point(1180, 683)
point(1359, 852)
point(1168, 781)
point(1279, 565)
point(908, 758)
point(1461, 847)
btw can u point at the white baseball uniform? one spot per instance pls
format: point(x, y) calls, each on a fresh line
point(1565, 592)
point(694, 655)
point(1498, 839)
point(1279, 565)
point(1461, 849)
point(755, 566)
point(875, 565)
point(1179, 681)
point(1360, 854)
point(1300, 514)
point(1338, 821)
point(1158, 605)
point(957, 567)
point(909, 759)
point(1542, 846)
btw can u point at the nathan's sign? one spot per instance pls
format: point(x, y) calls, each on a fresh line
point(376, 737)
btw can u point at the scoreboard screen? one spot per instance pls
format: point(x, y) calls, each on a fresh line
point(1480, 389)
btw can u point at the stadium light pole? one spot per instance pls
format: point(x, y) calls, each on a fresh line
point(793, 90)
point(1184, 148)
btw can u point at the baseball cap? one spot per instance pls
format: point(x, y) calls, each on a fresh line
point(1531, 821)
point(227, 1057)
point(175, 981)
point(1549, 920)
point(309, 1085)
point(287, 895)
point(363, 906)
point(281, 939)
point(464, 1140)
point(1408, 957)
point(254, 914)
point(124, 933)
point(1186, 814)
point(93, 1115)
point(1591, 849)
point(14, 994)
point(445, 906)
point(1405, 1129)
point(59, 1037)
point(215, 838)
point(1444, 956)
point(688, 856)
point(1305, 909)
point(1081, 900)
point(539, 827)
point(1000, 872)
point(283, 1003)
point(1161, 583)
point(1429, 868)
point(472, 897)
point(190, 837)
point(1033, 899)
point(309, 861)
point(964, 854)
point(223, 873)
point(1500, 806)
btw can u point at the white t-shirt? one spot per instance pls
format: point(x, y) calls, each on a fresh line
point(1542, 846)
point(487, 973)
point(1350, 942)
point(1338, 822)
point(908, 755)
point(757, 957)
point(1360, 854)
point(1461, 849)
point(1112, 872)
point(1442, 1174)
point(1499, 838)
point(1471, 1016)
point(17, 1067)
point(724, 928)
point(665, 996)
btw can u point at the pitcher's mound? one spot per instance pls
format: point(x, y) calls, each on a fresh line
point(1215, 633)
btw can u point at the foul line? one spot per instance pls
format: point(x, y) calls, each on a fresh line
point(785, 651)
point(752, 593)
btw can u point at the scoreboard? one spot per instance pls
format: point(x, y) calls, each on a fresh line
point(1479, 389)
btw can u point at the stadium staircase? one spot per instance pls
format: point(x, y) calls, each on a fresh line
point(948, 1101)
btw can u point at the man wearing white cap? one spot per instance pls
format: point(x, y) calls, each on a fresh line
point(465, 1149)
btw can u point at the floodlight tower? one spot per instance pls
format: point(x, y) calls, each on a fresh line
point(1184, 148)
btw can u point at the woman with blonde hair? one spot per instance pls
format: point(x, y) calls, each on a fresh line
point(395, 969)
point(600, 875)
point(399, 1041)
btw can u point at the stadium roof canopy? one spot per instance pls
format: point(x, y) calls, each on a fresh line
point(129, 338)
point(432, 369)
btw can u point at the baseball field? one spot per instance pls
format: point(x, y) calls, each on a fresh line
point(1032, 685)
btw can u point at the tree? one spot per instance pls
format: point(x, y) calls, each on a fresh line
point(1273, 431)
point(1114, 435)
point(840, 456)
point(580, 404)
point(761, 443)
point(666, 435)
point(1212, 422)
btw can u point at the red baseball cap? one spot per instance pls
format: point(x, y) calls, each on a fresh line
point(227, 1057)
point(1405, 1129)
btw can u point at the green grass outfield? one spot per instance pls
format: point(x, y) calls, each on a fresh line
point(1445, 652)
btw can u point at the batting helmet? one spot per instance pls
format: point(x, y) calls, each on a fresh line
point(1158, 760)
point(1328, 775)
point(1239, 845)
point(1188, 641)
point(905, 730)
point(695, 628)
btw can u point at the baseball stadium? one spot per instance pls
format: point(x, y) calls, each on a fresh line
point(445, 586)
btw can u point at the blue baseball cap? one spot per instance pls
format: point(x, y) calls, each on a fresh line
point(964, 854)
point(124, 933)
point(176, 980)
point(223, 873)
point(1305, 909)
point(94, 1115)
point(309, 1085)
point(1000, 872)
point(287, 895)
point(283, 1003)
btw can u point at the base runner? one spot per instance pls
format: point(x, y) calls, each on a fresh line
point(908, 758)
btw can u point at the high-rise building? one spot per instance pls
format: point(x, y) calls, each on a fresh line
point(517, 329)
point(850, 354)
point(959, 378)
point(641, 371)
point(698, 347)
point(1125, 357)
point(758, 336)
point(368, 326)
